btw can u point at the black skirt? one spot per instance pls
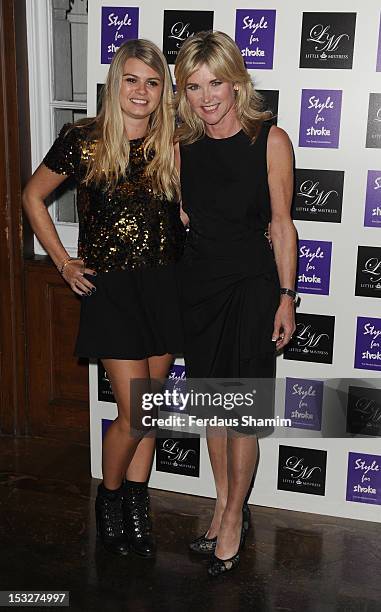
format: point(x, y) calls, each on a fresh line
point(228, 313)
point(134, 314)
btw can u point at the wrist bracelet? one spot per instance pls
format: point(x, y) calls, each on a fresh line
point(65, 262)
point(290, 292)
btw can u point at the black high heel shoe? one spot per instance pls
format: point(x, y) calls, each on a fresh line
point(206, 546)
point(246, 517)
point(221, 566)
point(203, 545)
point(110, 522)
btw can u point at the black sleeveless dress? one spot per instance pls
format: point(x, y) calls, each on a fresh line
point(228, 279)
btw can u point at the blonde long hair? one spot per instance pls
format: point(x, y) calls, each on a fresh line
point(112, 148)
point(222, 56)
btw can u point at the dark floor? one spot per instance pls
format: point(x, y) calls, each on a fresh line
point(292, 561)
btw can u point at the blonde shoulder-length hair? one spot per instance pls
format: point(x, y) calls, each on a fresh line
point(110, 158)
point(223, 58)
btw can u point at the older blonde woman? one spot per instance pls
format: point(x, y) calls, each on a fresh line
point(237, 298)
point(130, 236)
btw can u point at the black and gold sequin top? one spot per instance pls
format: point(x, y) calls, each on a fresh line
point(129, 227)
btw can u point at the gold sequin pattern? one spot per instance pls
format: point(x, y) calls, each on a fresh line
point(126, 228)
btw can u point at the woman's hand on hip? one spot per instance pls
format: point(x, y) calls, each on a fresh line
point(73, 274)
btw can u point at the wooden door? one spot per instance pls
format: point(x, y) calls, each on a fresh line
point(12, 331)
point(57, 381)
point(43, 390)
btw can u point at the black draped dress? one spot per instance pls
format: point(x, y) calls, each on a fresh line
point(228, 279)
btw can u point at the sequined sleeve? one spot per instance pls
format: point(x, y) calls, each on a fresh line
point(64, 155)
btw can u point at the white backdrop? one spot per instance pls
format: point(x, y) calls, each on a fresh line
point(355, 160)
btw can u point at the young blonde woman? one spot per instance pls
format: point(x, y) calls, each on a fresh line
point(237, 293)
point(130, 236)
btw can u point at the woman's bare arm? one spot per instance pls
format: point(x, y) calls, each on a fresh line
point(183, 215)
point(283, 233)
point(40, 186)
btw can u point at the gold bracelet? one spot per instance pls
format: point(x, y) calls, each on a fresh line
point(65, 262)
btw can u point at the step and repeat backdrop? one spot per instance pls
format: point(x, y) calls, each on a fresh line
point(320, 73)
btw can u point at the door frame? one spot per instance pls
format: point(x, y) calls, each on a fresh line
point(14, 243)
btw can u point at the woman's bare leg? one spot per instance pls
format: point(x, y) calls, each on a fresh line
point(140, 466)
point(128, 448)
point(119, 446)
point(242, 455)
point(217, 448)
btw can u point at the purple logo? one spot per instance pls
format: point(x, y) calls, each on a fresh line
point(119, 23)
point(364, 478)
point(373, 131)
point(105, 425)
point(303, 403)
point(314, 266)
point(176, 385)
point(378, 64)
point(320, 118)
point(254, 35)
point(372, 217)
point(368, 344)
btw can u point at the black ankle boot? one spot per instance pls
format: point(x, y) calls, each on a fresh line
point(137, 518)
point(110, 520)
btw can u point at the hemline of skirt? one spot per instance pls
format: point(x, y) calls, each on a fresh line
point(124, 357)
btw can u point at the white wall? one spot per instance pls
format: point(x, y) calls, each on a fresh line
point(352, 157)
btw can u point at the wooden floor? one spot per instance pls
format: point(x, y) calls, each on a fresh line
point(292, 562)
